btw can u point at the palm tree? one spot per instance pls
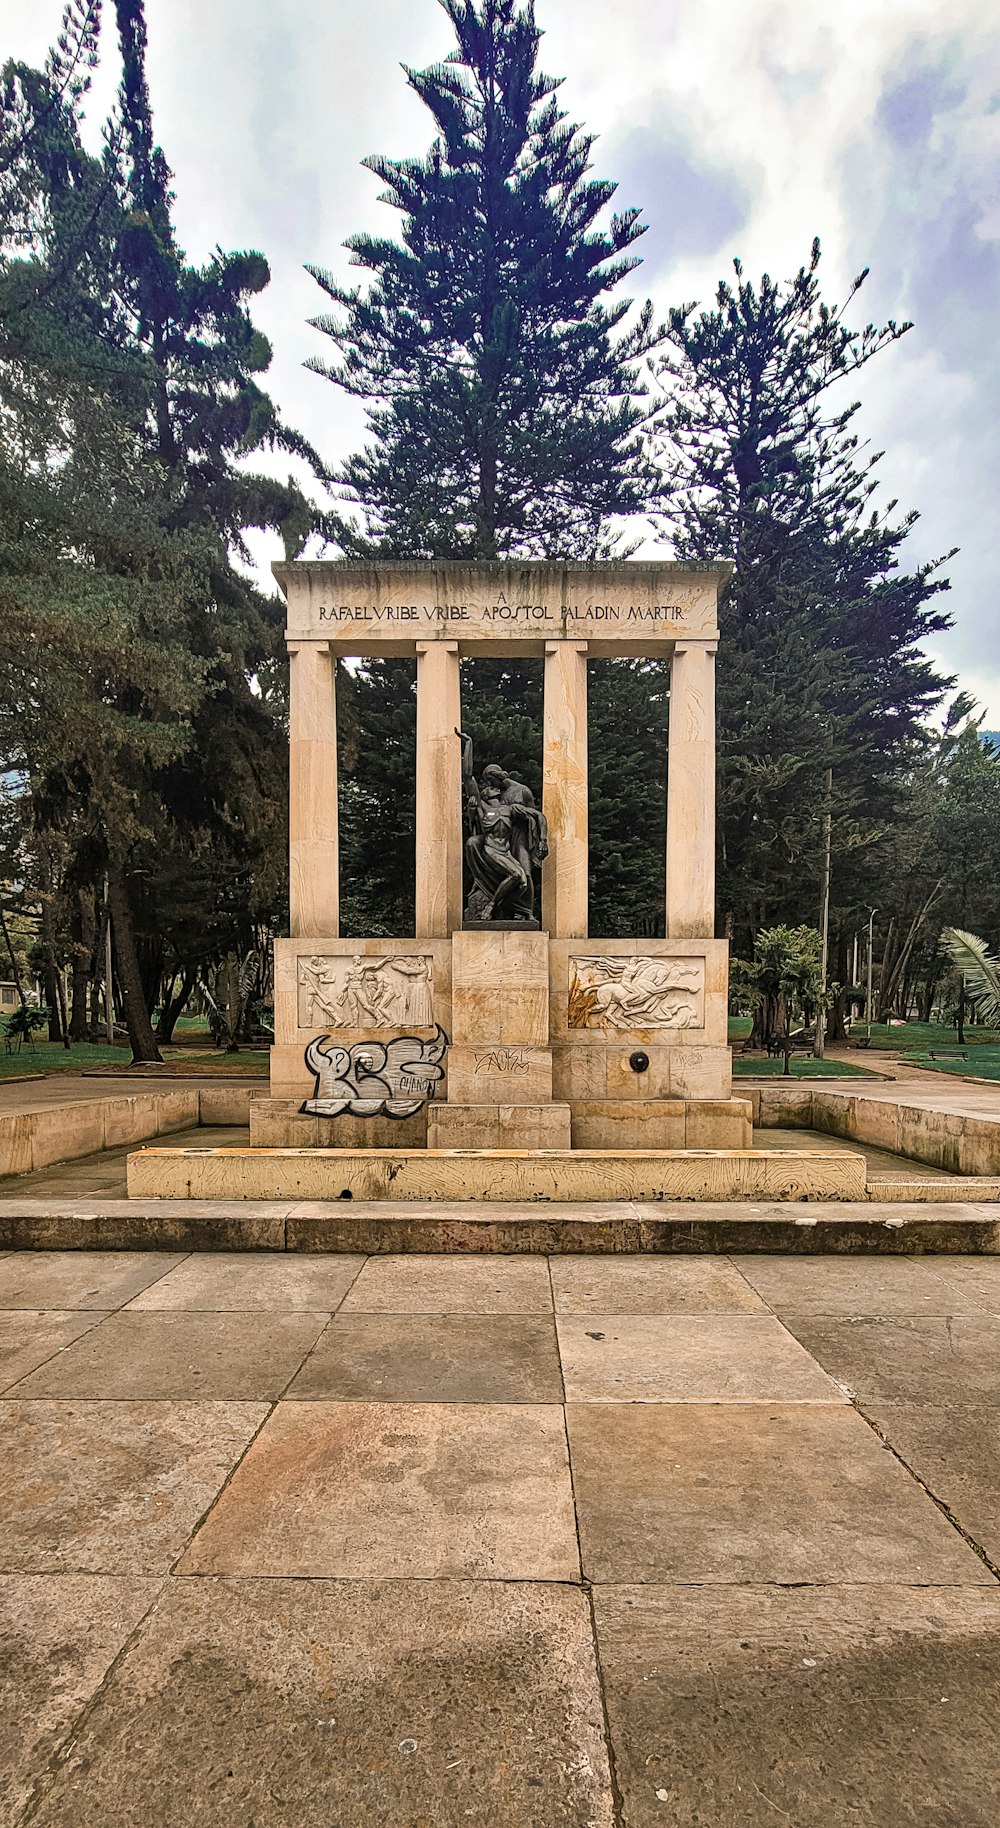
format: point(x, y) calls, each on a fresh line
point(980, 973)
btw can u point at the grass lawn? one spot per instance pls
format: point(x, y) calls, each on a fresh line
point(923, 1035)
point(801, 1066)
point(51, 1057)
point(982, 1062)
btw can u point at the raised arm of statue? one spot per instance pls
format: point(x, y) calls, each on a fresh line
point(470, 786)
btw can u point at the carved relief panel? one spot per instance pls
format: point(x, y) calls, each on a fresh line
point(636, 993)
point(365, 992)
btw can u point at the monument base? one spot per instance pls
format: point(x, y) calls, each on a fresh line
point(281, 1123)
point(400, 1175)
point(662, 1123)
point(498, 1126)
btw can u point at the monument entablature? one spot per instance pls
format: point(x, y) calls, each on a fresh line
point(625, 608)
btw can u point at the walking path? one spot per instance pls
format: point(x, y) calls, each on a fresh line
point(508, 1542)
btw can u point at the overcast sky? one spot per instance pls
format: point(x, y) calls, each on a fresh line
point(739, 127)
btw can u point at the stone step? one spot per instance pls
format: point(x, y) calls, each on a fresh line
point(556, 1228)
point(496, 1174)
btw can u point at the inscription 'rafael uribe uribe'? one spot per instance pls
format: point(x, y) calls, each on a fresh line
point(500, 612)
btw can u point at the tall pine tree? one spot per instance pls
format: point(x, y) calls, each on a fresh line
point(140, 687)
point(504, 406)
point(506, 419)
point(821, 673)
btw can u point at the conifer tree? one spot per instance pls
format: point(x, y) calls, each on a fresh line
point(141, 688)
point(504, 408)
point(821, 674)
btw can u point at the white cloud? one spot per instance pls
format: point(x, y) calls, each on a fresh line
point(265, 112)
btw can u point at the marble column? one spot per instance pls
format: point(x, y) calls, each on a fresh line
point(314, 869)
point(439, 791)
point(564, 790)
point(691, 793)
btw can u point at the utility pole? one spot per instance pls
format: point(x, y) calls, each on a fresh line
point(824, 920)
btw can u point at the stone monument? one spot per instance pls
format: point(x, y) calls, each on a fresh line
point(499, 1023)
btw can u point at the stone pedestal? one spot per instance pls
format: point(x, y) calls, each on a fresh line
point(500, 1061)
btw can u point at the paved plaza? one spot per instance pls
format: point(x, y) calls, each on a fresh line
point(521, 1541)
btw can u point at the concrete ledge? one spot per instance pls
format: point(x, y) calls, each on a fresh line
point(899, 1187)
point(85, 1126)
point(500, 1228)
point(498, 1174)
point(959, 1142)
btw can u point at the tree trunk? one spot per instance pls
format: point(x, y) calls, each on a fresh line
point(15, 967)
point(50, 978)
point(960, 1024)
point(83, 960)
point(140, 1028)
point(836, 1021)
point(174, 1006)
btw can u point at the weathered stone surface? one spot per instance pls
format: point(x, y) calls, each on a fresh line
point(434, 1358)
point(435, 1174)
point(500, 990)
point(99, 1279)
point(628, 1123)
point(742, 1706)
point(463, 1229)
point(28, 1339)
point(498, 1126)
point(956, 1356)
point(354, 1705)
point(116, 1224)
point(286, 1284)
point(281, 1123)
point(721, 1358)
point(218, 1357)
point(683, 1492)
point(59, 1634)
point(362, 1491)
point(650, 1285)
point(66, 1130)
point(714, 1123)
point(968, 1282)
point(224, 1104)
point(491, 1073)
point(955, 1451)
point(440, 1285)
point(849, 1286)
point(112, 1488)
point(16, 1130)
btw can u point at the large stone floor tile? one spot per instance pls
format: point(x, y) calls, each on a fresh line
point(78, 1279)
point(451, 1285)
point(970, 1282)
point(220, 1282)
point(112, 1488)
point(218, 1357)
point(435, 1358)
point(371, 1490)
point(854, 1285)
point(955, 1452)
point(684, 1492)
point(59, 1635)
point(28, 1339)
point(940, 1358)
point(845, 1707)
point(729, 1358)
point(650, 1285)
point(335, 1705)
